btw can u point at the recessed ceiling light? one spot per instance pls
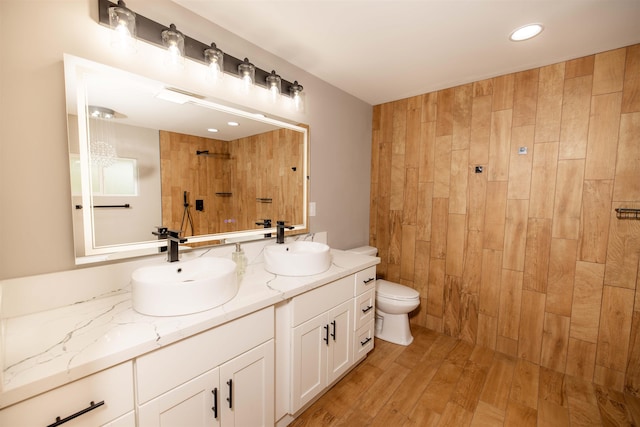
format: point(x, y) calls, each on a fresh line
point(526, 32)
point(233, 123)
point(212, 130)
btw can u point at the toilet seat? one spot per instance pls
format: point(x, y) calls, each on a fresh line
point(396, 292)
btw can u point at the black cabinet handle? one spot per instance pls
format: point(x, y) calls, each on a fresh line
point(326, 334)
point(91, 407)
point(215, 402)
point(230, 398)
point(365, 310)
point(333, 334)
point(363, 343)
point(369, 280)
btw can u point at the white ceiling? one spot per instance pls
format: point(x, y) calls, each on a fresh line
point(384, 50)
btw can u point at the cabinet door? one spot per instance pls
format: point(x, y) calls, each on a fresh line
point(191, 404)
point(309, 360)
point(248, 387)
point(340, 349)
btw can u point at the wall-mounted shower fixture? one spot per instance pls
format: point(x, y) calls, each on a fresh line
point(186, 216)
point(206, 153)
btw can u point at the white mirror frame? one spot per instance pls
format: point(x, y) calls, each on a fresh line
point(76, 70)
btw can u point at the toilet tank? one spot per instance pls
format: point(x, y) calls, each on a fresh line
point(364, 250)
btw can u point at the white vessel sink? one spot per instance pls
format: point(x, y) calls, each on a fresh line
point(300, 258)
point(183, 287)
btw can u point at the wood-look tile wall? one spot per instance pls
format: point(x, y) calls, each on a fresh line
point(526, 257)
point(264, 166)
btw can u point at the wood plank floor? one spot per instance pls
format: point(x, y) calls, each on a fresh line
point(441, 381)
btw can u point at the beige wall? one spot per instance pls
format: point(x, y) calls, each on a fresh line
point(527, 257)
point(35, 207)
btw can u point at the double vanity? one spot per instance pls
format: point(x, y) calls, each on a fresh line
point(258, 359)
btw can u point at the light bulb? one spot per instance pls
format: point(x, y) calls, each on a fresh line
point(173, 40)
point(273, 85)
point(174, 54)
point(123, 23)
point(214, 58)
point(247, 73)
point(297, 96)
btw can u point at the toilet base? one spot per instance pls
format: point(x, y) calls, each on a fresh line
point(393, 328)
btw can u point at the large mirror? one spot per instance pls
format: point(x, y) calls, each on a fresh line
point(144, 154)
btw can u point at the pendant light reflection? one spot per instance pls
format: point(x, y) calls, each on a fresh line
point(247, 73)
point(274, 84)
point(173, 40)
point(297, 96)
point(101, 135)
point(214, 58)
point(123, 23)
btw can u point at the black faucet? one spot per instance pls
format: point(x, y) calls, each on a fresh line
point(266, 223)
point(174, 240)
point(162, 235)
point(281, 227)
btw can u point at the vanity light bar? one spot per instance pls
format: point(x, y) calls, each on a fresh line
point(151, 32)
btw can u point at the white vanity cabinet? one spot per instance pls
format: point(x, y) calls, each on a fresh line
point(238, 393)
point(322, 351)
point(221, 377)
point(322, 334)
point(102, 399)
point(322, 328)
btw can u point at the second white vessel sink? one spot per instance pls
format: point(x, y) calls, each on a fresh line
point(183, 287)
point(300, 258)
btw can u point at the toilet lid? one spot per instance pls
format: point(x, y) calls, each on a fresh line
point(395, 291)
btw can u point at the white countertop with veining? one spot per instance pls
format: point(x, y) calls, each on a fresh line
point(48, 349)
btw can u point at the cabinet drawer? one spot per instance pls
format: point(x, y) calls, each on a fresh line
point(315, 302)
point(365, 280)
point(168, 367)
point(364, 308)
point(363, 342)
point(113, 386)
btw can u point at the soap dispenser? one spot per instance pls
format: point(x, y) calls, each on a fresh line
point(240, 260)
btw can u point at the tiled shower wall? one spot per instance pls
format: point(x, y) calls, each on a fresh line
point(526, 256)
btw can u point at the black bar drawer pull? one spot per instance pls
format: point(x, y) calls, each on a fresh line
point(369, 280)
point(215, 402)
point(363, 343)
point(230, 398)
point(326, 334)
point(366, 310)
point(91, 407)
point(333, 334)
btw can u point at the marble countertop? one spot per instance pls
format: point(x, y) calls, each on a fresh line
point(48, 349)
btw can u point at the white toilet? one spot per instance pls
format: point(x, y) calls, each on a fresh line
point(394, 302)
